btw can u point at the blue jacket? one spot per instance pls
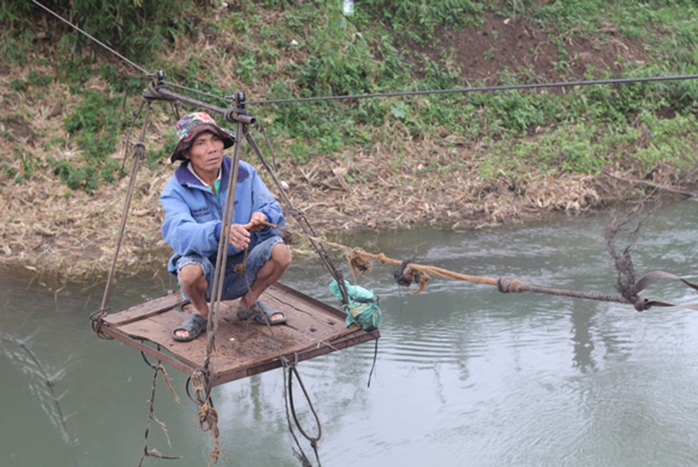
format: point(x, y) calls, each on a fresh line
point(193, 214)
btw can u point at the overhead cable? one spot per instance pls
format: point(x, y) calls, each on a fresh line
point(300, 100)
point(135, 65)
point(197, 91)
point(511, 87)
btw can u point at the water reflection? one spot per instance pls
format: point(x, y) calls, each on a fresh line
point(581, 318)
point(465, 375)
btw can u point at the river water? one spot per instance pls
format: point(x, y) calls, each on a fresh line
point(465, 375)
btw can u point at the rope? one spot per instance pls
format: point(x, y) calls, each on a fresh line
point(292, 369)
point(507, 285)
point(416, 273)
point(511, 87)
point(240, 270)
point(201, 377)
point(97, 317)
point(289, 369)
point(157, 368)
point(409, 273)
point(133, 64)
point(373, 365)
point(207, 415)
point(302, 221)
point(197, 91)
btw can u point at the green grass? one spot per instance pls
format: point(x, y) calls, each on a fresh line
point(284, 49)
point(96, 128)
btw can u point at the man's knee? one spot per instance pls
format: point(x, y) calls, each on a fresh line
point(281, 254)
point(190, 275)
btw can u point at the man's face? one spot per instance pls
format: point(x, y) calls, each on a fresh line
point(206, 153)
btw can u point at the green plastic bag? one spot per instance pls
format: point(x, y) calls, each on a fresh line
point(364, 306)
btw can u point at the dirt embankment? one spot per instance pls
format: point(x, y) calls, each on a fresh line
point(430, 182)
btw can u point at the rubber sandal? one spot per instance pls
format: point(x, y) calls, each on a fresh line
point(261, 313)
point(194, 325)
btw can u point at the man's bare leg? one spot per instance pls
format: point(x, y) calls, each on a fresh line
point(193, 283)
point(269, 274)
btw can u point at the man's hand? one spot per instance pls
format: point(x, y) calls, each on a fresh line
point(257, 223)
point(239, 236)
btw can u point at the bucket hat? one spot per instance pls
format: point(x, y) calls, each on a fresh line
point(192, 125)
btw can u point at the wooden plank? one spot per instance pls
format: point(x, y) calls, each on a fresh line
point(241, 348)
point(233, 374)
point(145, 310)
point(148, 350)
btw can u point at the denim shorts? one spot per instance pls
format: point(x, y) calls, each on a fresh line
point(235, 285)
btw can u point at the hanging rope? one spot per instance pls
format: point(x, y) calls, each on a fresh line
point(207, 415)
point(201, 377)
point(293, 370)
point(157, 368)
point(289, 370)
point(373, 364)
point(97, 317)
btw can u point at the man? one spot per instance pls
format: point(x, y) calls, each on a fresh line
point(194, 203)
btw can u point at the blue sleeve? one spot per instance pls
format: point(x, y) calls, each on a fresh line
point(263, 201)
point(182, 233)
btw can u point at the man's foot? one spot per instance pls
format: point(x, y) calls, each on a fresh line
point(262, 313)
point(190, 329)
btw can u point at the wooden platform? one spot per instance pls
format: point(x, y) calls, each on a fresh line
point(242, 348)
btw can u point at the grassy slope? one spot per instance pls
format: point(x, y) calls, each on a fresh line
point(475, 159)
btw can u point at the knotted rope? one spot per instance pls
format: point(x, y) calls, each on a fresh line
point(157, 368)
point(207, 415)
point(420, 274)
point(410, 272)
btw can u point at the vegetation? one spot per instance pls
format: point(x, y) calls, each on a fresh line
point(280, 49)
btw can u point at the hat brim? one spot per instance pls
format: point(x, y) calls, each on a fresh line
point(228, 138)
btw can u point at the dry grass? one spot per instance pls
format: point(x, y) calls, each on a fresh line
point(49, 228)
point(75, 235)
